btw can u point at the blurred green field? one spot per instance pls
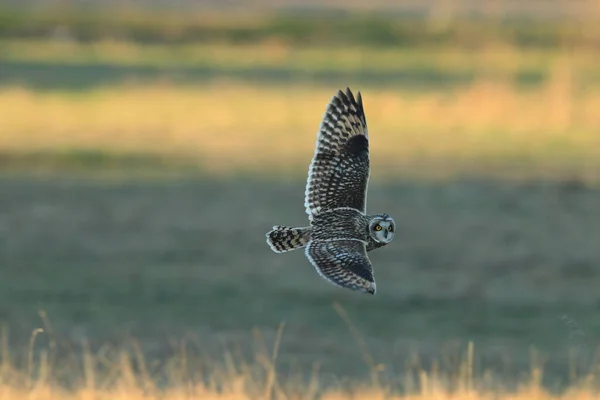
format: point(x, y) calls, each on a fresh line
point(143, 156)
point(64, 46)
point(497, 263)
point(438, 25)
point(57, 64)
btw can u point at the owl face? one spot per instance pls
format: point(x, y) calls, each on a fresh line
point(382, 228)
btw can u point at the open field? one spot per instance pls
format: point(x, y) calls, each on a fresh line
point(486, 128)
point(144, 155)
point(218, 107)
point(508, 266)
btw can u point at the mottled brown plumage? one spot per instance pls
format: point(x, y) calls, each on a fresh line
point(340, 234)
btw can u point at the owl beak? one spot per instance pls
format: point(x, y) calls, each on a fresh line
point(371, 289)
point(386, 233)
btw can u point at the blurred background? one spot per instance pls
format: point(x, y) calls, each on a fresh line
point(146, 147)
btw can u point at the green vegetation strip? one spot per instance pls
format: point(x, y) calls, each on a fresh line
point(98, 163)
point(323, 28)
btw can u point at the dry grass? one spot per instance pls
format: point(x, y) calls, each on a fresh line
point(129, 376)
point(228, 126)
point(135, 392)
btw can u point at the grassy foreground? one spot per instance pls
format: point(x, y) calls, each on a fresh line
point(243, 386)
point(129, 375)
point(487, 127)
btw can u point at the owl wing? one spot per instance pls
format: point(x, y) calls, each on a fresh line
point(339, 171)
point(343, 262)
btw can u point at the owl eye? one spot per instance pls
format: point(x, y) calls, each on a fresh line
point(391, 228)
point(378, 228)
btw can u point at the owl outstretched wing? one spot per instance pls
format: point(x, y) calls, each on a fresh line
point(343, 262)
point(339, 171)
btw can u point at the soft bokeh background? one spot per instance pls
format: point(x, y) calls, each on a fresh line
point(147, 146)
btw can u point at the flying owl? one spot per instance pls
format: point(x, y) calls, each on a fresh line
point(340, 233)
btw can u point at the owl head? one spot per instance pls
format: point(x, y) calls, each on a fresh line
point(382, 228)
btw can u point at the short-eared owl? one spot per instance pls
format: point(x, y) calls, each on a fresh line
point(340, 233)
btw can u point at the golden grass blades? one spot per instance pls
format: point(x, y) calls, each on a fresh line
point(128, 380)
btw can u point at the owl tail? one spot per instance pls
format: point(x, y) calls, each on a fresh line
point(283, 238)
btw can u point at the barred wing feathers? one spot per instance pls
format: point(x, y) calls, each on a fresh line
point(343, 262)
point(339, 171)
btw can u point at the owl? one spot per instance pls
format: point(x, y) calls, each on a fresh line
point(340, 233)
